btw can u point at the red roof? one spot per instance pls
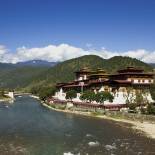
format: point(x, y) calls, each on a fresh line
point(135, 73)
point(131, 69)
point(97, 81)
point(68, 86)
point(122, 81)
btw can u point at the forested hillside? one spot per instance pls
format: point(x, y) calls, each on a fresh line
point(29, 76)
point(64, 71)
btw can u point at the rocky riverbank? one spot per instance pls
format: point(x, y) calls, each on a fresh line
point(7, 99)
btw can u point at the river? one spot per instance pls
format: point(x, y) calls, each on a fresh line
point(28, 128)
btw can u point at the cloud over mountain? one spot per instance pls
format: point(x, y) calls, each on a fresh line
point(64, 51)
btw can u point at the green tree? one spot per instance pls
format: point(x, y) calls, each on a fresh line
point(129, 95)
point(46, 92)
point(71, 94)
point(139, 99)
point(152, 90)
point(2, 93)
point(88, 95)
point(132, 107)
point(101, 97)
point(151, 109)
point(35, 89)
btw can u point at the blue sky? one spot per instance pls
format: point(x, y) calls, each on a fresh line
point(117, 25)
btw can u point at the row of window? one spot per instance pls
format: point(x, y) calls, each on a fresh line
point(139, 80)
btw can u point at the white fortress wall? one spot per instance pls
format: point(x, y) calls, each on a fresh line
point(120, 97)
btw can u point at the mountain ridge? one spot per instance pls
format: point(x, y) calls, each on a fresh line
point(30, 76)
point(36, 63)
point(152, 64)
point(41, 63)
point(64, 71)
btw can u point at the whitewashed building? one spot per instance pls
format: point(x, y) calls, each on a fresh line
point(123, 85)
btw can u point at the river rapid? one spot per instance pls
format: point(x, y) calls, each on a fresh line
point(28, 128)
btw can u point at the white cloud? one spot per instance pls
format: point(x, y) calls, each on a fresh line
point(64, 51)
point(89, 45)
point(3, 50)
point(50, 53)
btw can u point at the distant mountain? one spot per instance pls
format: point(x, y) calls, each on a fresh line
point(37, 63)
point(6, 66)
point(25, 75)
point(19, 77)
point(152, 64)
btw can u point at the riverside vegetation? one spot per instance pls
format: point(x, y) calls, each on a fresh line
point(4, 97)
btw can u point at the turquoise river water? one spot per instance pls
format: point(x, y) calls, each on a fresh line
point(28, 128)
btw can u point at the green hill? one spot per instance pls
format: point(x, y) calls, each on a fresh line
point(64, 71)
point(119, 62)
point(18, 77)
point(28, 76)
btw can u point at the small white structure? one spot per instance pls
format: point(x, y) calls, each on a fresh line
point(10, 94)
point(60, 95)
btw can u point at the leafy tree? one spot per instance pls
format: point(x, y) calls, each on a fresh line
point(153, 91)
point(129, 96)
point(98, 97)
point(71, 94)
point(151, 109)
point(139, 99)
point(35, 89)
point(46, 92)
point(88, 95)
point(2, 94)
point(133, 103)
point(132, 107)
point(101, 97)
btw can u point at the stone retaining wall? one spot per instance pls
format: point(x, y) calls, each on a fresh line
point(114, 114)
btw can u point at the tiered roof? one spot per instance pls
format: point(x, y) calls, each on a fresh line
point(84, 70)
point(100, 76)
point(99, 73)
point(130, 70)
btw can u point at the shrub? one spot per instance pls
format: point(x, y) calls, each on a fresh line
point(103, 96)
point(153, 91)
point(143, 110)
point(46, 92)
point(132, 107)
point(88, 95)
point(71, 94)
point(151, 109)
